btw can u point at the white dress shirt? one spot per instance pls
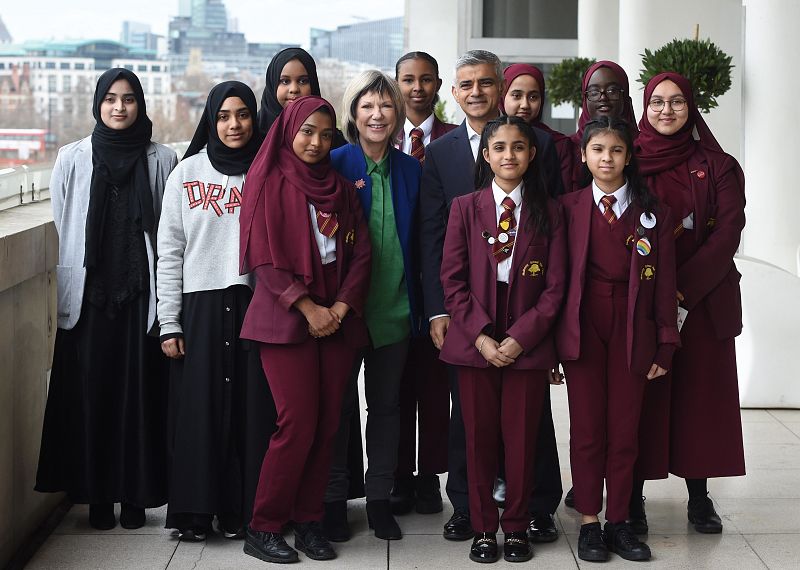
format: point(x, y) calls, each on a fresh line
point(504, 267)
point(326, 245)
point(427, 128)
point(474, 140)
point(621, 194)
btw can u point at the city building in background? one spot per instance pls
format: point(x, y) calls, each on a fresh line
point(378, 43)
point(5, 37)
point(139, 36)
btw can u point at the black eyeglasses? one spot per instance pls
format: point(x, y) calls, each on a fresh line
point(612, 93)
point(677, 104)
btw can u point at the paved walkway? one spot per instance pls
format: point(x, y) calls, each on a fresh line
point(761, 514)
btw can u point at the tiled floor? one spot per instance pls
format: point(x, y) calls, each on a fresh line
point(761, 514)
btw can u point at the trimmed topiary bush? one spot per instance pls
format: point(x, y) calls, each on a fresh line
point(707, 67)
point(564, 83)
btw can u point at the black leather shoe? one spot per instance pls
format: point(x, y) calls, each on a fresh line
point(334, 522)
point(542, 529)
point(379, 517)
point(621, 540)
point(484, 547)
point(499, 493)
point(402, 497)
point(516, 547)
point(458, 527)
point(101, 516)
point(637, 518)
point(131, 517)
point(569, 498)
point(591, 546)
point(308, 538)
point(703, 516)
point(269, 547)
point(429, 496)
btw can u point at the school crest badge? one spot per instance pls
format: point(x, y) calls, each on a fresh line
point(350, 238)
point(533, 269)
point(648, 272)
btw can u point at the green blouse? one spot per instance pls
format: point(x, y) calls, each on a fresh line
point(387, 309)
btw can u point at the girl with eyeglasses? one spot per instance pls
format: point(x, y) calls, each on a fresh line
point(697, 433)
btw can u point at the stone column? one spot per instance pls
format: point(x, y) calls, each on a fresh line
point(598, 29)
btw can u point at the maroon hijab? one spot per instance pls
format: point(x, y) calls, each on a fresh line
point(627, 111)
point(510, 74)
point(657, 152)
point(275, 222)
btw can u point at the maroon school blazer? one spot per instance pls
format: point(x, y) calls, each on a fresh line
point(439, 128)
point(652, 304)
point(536, 285)
point(271, 316)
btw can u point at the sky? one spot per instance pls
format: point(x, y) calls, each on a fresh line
point(286, 21)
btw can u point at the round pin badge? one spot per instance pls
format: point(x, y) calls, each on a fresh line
point(491, 240)
point(643, 246)
point(502, 238)
point(701, 174)
point(640, 230)
point(648, 221)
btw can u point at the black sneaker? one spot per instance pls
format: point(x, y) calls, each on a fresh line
point(269, 547)
point(591, 546)
point(621, 540)
point(484, 547)
point(429, 495)
point(308, 538)
point(516, 547)
point(402, 497)
point(637, 517)
point(702, 515)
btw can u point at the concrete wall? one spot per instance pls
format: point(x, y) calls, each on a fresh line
point(28, 255)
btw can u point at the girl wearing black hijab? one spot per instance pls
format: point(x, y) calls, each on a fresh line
point(219, 400)
point(103, 434)
point(291, 74)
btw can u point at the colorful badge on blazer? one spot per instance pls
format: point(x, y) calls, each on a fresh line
point(533, 269)
point(643, 246)
point(629, 240)
point(350, 237)
point(504, 225)
point(360, 184)
point(488, 237)
point(647, 221)
point(648, 272)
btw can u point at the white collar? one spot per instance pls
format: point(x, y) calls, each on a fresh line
point(426, 126)
point(499, 194)
point(621, 194)
point(470, 131)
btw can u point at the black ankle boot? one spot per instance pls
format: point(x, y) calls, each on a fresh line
point(269, 547)
point(402, 497)
point(334, 523)
point(637, 517)
point(308, 538)
point(101, 516)
point(379, 516)
point(131, 517)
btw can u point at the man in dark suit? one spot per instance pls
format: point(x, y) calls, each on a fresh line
point(448, 173)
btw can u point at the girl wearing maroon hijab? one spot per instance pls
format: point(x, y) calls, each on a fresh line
point(606, 93)
point(704, 187)
point(525, 97)
point(304, 235)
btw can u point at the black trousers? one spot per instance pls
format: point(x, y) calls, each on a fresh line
point(547, 489)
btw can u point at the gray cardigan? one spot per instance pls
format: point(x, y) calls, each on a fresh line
point(69, 194)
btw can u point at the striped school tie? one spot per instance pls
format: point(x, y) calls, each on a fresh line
point(417, 148)
point(327, 223)
point(505, 226)
point(608, 213)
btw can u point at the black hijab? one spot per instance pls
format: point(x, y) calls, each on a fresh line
point(230, 161)
point(270, 107)
point(119, 160)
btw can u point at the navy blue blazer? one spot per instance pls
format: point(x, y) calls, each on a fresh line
point(449, 172)
point(405, 172)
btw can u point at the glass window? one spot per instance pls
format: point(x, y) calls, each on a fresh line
point(129, 67)
point(157, 85)
point(141, 67)
point(51, 83)
point(155, 68)
point(64, 65)
point(66, 84)
point(50, 65)
point(79, 66)
point(2, 65)
point(539, 19)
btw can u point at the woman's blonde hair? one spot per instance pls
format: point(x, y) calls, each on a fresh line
point(371, 81)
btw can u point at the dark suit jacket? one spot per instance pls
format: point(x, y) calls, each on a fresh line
point(405, 175)
point(448, 172)
point(537, 282)
point(652, 330)
point(271, 316)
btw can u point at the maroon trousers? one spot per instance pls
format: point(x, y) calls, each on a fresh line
point(307, 381)
point(424, 394)
point(605, 402)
